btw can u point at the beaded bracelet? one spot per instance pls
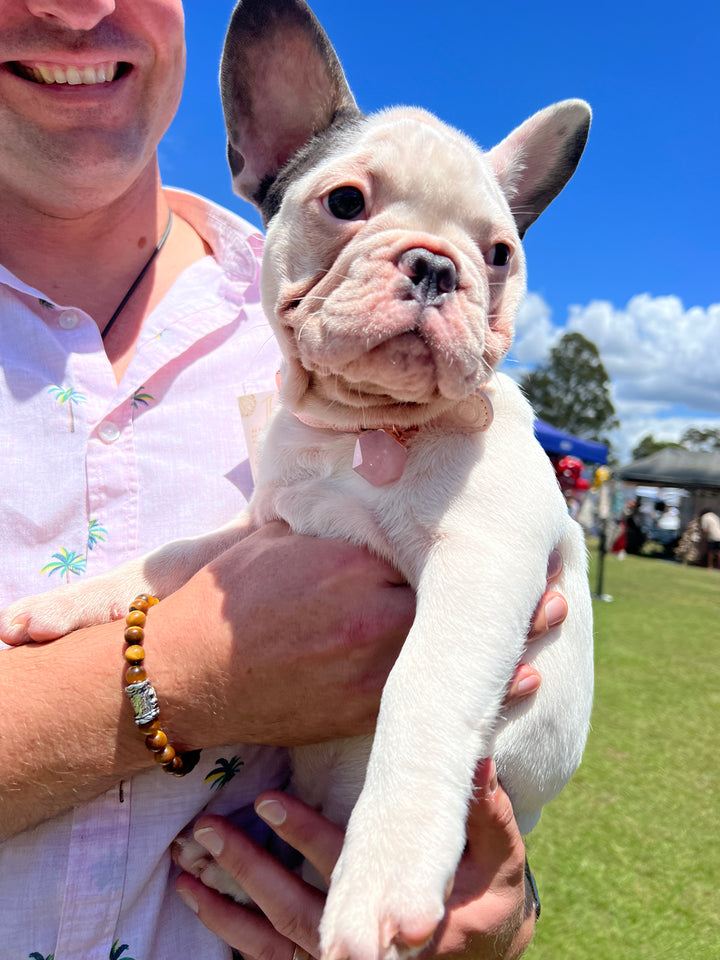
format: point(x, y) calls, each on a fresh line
point(142, 693)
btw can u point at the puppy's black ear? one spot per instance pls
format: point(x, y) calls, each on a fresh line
point(535, 162)
point(281, 84)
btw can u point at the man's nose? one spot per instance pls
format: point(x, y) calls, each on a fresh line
point(73, 14)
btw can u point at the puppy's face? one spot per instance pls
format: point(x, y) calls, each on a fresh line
point(393, 268)
point(392, 273)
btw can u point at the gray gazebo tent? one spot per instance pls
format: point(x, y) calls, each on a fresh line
point(673, 467)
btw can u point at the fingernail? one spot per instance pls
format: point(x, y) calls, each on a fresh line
point(272, 812)
point(555, 611)
point(555, 565)
point(188, 899)
point(212, 841)
point(492, 784)
point(528, 684)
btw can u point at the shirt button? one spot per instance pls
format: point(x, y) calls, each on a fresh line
point(108, 431)
point(68, 320)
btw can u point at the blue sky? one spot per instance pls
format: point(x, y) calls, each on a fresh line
point(629, 254)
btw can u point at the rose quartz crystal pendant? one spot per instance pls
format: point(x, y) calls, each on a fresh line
point(379, 458)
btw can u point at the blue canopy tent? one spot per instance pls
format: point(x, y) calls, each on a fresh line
point(555, 441)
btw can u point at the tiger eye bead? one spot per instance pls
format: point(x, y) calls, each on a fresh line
point(167, 755)
point(156, 741)
point(176, 766)
point(150, 727)
point(136, 618)
point(135, 674)
point(135, 654)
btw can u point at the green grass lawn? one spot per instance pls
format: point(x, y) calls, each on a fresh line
point(627, 859)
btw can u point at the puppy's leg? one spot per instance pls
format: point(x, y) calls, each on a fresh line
point(437, 718)
point(106, 597)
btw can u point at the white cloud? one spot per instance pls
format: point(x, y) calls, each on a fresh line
point(534, 331)
point(663, 360)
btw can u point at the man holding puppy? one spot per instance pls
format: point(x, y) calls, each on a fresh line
point(129, 326)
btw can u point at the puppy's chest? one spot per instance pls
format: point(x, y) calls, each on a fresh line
point(308, 480)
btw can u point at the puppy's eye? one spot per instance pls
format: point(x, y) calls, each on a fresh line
point(498, 255)
point(345, 203)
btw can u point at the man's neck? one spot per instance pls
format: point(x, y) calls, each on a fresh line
point(91, 260)
point(88, 259)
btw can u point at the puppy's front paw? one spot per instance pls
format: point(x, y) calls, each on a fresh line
point(47, 616)
point(375, 911)
point(193, 858)
point(388, 890)
point(43, 617)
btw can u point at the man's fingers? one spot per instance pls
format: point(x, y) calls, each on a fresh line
point(246, 930)
point(308, 831)
point(555, 566)
point(292, 907)
point(492, 833)
point(525, 682)
point(550, 612)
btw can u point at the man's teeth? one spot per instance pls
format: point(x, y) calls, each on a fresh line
point(55, 73)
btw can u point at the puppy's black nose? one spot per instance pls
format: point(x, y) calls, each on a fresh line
point(432, 275)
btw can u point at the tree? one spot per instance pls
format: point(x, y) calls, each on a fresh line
point(572, 390)
point(693, 439)
point(649, 445)
point(701, 440)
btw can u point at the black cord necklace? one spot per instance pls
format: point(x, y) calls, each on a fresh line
point(139, 277)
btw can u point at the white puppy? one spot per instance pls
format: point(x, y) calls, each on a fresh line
point(393, 272)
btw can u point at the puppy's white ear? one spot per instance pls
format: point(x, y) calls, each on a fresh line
point(281, 84)
point(536, 160)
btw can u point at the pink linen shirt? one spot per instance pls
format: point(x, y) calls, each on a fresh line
point(94, 474)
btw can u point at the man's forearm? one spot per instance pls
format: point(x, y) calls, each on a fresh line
point(281, 640)
point(67, 734)
point(68, 731)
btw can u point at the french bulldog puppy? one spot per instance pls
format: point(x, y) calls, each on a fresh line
point(393, 271)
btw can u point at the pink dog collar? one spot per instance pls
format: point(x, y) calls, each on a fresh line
point(380, 455)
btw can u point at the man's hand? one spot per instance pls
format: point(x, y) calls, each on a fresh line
point(307, 629)
point(490, 913)
point(292, 637)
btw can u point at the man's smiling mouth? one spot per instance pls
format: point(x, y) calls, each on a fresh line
point(73, 75)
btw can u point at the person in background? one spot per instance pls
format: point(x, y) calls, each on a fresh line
point(710, 527)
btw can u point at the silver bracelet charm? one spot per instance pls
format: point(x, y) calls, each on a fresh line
point(144, 701)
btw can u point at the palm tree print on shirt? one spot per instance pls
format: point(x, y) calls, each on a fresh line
point(139, 398)
point(116, 953)
point(223, 772)
point(96, 534)
point(69, 396)
point(66, 562)
point(117, 950)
